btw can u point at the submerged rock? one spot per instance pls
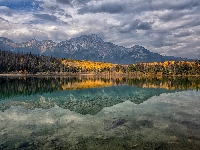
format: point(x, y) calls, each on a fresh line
point(115, 124)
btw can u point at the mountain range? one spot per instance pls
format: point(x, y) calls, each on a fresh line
point(86, 47)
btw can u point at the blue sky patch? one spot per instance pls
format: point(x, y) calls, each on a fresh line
point(22, 5)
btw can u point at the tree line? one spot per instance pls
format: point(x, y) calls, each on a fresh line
point(167, 68)
point(27, 63)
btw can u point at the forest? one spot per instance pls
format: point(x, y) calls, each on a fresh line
point(27, 63)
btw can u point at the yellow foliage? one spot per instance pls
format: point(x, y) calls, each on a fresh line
point(89, 65)
point(87, 84)
point(165, 64)
point(155, 63)
point(172, 62)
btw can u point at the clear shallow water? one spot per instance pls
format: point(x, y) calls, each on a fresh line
point(110, 116)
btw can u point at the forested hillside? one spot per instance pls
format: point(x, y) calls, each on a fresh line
point(27, 63)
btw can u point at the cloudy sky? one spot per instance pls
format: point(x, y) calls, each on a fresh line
point(168, 27)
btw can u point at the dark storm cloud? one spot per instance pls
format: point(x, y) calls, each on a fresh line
point(104, 7)
point(135, 25)
point(46, 17)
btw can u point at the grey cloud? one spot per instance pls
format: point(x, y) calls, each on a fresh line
point(197, 31)
point(104, 7)
point(183, 34)
point(64, 23)
point(171, 16)
point(82, 1)
point(73, 2)
point(159, 43)
point(135, 25)
point(185, 5)
point(6, 10)
point(3, 19)
point(51, 7)
point(61, 12)
point(162, 39)
point(164, 5)
point(5, 25)
point(189, 23)
point(66, 2)
point(46, 17)
point(193, 22)
point(68, 16)
point(144, 26)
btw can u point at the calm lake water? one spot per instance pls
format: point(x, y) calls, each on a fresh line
point(99, 113)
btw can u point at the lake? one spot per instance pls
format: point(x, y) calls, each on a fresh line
point(89, 112)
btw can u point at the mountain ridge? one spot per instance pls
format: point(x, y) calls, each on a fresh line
point(86, 47)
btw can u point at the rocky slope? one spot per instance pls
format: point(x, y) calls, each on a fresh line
point(86, 47)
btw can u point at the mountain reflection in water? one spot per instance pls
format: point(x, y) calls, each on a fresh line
point(99, 113)
point(86, 95)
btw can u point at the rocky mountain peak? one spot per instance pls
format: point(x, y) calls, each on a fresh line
point(33, 40)
point(86, 47)
point(87, 38)
point(4, 39)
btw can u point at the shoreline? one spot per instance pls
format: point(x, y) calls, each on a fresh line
point(92, 74)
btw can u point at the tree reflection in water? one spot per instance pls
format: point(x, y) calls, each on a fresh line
point(25, 86)
point(96, 93)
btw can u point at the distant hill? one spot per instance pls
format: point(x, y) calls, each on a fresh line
point(87, 47)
